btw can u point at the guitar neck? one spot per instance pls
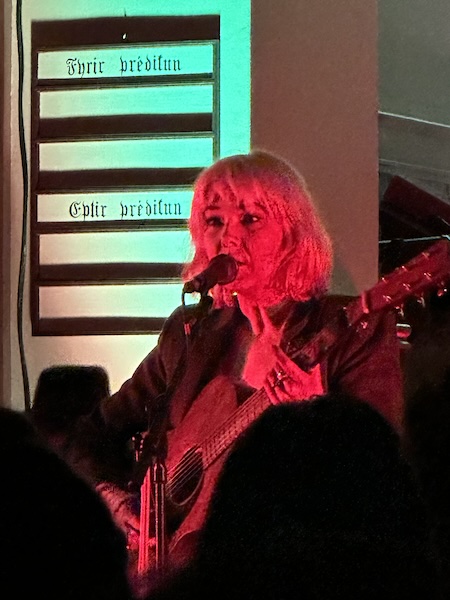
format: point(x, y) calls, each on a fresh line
point(244, 416)
point(426, 272)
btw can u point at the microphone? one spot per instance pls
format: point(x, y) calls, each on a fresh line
point(222, 269)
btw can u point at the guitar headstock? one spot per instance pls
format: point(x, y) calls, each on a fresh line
point(428, 271)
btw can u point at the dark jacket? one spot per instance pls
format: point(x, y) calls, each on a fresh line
point(363, 362)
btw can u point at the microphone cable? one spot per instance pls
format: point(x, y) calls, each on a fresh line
point(24, 247)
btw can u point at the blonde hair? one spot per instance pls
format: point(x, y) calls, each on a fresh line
point(305, 268)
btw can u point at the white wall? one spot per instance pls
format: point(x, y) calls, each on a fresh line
point(414, 47)
point(314, 102)
point(414, 50)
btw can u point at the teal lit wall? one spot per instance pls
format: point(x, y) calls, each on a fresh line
point(150, 93)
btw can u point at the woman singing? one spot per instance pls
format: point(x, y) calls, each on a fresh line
point(256, 209)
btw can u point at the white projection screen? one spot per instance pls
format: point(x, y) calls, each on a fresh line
point(125, 114)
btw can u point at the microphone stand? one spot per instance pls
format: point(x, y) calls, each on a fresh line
point(159, 479)
point(150, 470)
point(150, 475)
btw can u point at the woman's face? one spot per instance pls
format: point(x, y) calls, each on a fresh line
point(246, 230)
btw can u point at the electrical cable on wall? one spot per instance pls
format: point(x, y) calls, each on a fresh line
point(23, 252)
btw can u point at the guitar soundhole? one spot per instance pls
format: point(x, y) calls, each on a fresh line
point(187, 477)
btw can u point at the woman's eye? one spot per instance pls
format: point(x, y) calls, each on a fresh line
point(249, 219)
point(214, 221)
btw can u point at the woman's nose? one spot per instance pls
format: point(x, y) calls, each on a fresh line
point(231, 234)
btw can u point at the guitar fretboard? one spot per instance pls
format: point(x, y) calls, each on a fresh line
point(228, 432)
point(428, 271)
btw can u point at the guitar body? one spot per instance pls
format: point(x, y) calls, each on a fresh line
point(211, 408)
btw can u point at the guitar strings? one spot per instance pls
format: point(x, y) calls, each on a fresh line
point(245, 414)
point(178, 477)
point(191, 465)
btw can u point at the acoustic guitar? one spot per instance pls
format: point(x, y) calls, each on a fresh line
point(195, 460)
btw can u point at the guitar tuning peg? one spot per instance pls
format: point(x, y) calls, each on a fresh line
point(421, 300)
point(400, 312)
point(362, 325)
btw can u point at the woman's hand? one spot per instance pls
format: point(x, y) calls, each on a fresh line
point(269, 367)
point(124, 509)
point(286, 381)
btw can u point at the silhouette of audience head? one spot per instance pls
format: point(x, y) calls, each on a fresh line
point(66, 392)
point(427, 444)
point(65, 405)
point(58, 538)
point(315, 501)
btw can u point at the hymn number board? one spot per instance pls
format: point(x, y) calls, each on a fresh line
point(125, 114)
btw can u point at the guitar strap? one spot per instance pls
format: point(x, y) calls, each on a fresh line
point(300, 324)
point(312, 318)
